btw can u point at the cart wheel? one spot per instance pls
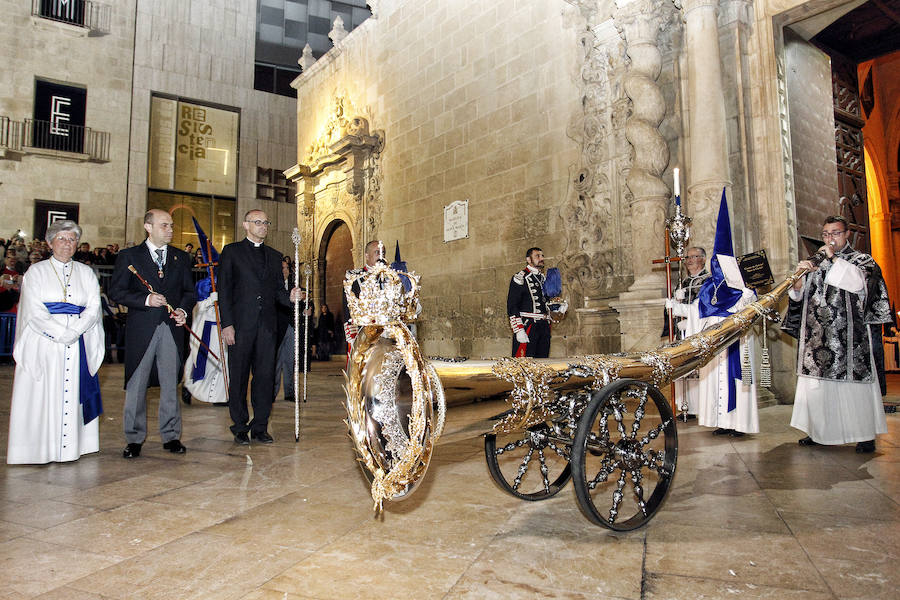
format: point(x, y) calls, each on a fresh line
point(529, 465)
point(623, 455)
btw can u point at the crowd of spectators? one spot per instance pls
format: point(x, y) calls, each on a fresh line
point(19, 255)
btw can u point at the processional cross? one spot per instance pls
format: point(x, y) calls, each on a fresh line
point(678, 231)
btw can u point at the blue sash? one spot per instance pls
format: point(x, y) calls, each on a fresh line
point(726, 297)
point(199, 371)
point(89, 385)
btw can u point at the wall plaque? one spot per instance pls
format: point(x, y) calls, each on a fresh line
point(456, 220)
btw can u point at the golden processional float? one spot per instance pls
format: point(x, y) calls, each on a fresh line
point(600, 419)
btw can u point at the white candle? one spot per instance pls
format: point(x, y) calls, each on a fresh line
point(677, 183)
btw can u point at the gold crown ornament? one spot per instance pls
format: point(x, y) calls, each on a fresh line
point(383, 298)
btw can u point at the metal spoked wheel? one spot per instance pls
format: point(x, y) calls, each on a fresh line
point(531, 465)
point(624, 454)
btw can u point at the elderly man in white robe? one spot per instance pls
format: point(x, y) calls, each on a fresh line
point(727, 388)
point(58, 350)
point(687, 388)
point(831, 312)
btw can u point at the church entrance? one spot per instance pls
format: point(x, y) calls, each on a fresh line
point(844, 112)
point(336, 254)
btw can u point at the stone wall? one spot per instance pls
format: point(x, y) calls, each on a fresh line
point(36, 48)
point(201, 50)
point(474, 102)
point(808, 75)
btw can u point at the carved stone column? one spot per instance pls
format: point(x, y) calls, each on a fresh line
point(639, 308)
point(640, 25)
point(708, 168)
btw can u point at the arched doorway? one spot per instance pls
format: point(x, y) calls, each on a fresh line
point(336, 253)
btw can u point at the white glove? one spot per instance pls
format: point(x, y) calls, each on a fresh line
point(682, 326)
point(670, 303)
point(563, 307)
point(214, 297)
point(679, 294)
point(521, 337)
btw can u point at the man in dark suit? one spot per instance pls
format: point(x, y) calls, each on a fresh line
point(153, 336)
point(250, 284)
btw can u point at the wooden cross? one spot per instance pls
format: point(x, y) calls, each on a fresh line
point(212, 280)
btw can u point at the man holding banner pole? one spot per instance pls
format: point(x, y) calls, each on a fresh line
point(205, 374)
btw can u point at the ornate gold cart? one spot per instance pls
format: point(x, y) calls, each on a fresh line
point(599, 420)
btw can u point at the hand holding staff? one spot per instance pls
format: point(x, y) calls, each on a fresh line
point(158, 300)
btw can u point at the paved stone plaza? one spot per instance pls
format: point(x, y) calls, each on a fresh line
point(757, 517)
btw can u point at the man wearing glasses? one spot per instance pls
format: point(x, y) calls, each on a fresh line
point(838, 399)
point(249, 286)
point(686, 388)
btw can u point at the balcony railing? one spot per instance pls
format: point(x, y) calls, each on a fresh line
point(31, 136)
point(93, 16)
point(12, 136)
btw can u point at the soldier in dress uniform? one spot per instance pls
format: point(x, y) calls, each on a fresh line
point(526, 306)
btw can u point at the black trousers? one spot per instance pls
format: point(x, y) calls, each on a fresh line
point(538, 345)
point(252, 351)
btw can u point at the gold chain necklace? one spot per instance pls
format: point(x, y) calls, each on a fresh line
point(62, 284)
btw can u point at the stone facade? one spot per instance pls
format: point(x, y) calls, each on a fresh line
point(528, 117)
point(197, 50)
point(472, 104)
point(36, 48)
point(203, 50)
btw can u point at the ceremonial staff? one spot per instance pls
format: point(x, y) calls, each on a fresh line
point(295, 237)
point(306, 271)
point(172, 311)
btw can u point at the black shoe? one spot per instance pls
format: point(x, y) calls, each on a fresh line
point(241, 439)
point(288, 398)
point(808, 441)
point(175, 447)
point(220, 404)
point(735, 433)
point(865, 447)
point(131, 451)
point(262, 437)
point(185, 395)
point(721, 431)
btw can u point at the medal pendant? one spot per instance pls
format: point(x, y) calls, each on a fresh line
point(160, 273)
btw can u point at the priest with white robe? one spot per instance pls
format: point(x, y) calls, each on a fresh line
point(58, 350)
point(726, 398)
point(687, 388)
point(831, 312)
